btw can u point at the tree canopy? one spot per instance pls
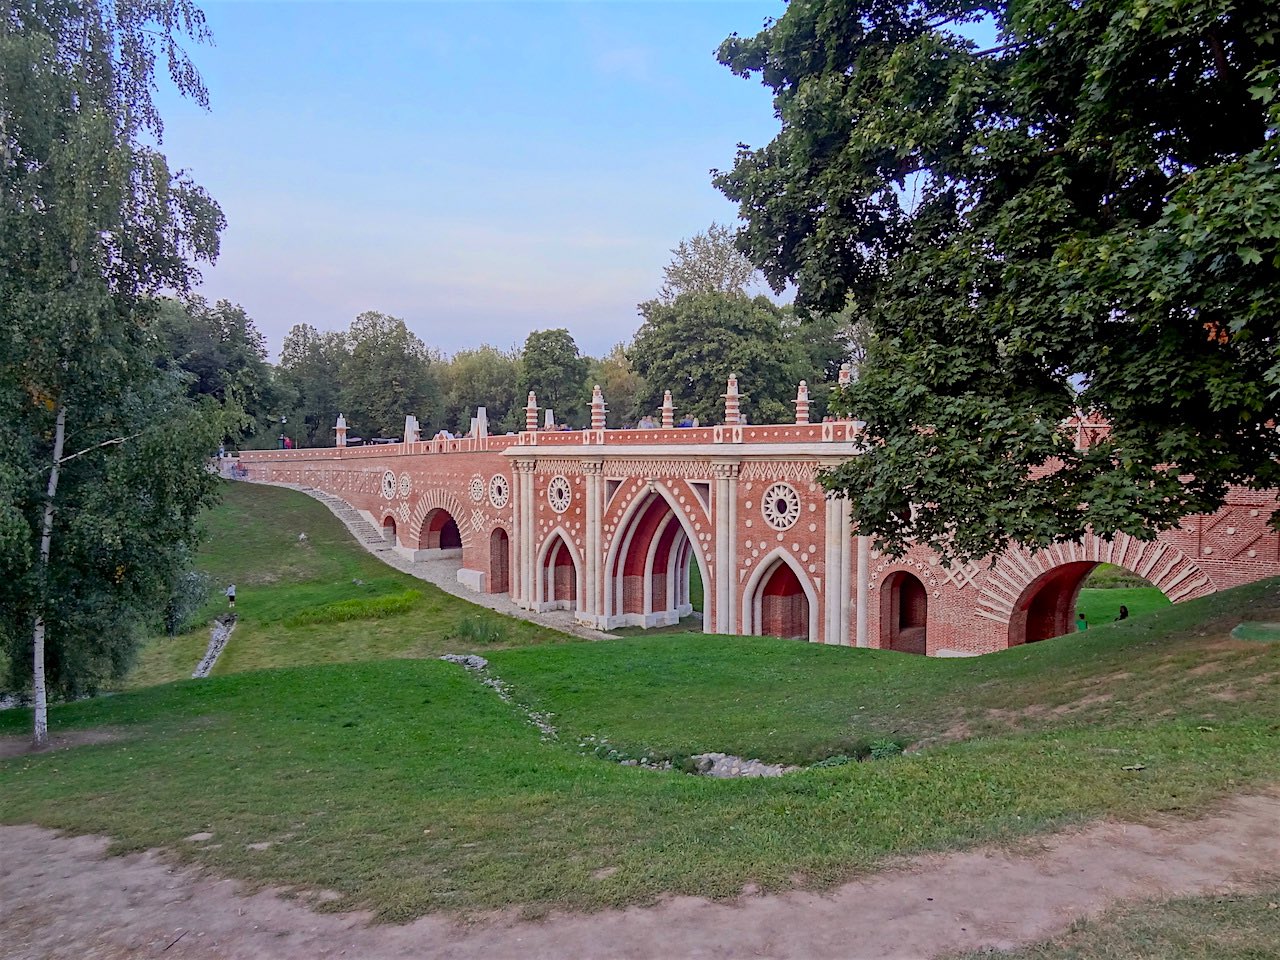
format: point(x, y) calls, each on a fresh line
point(1085, 216)
point(104, 455)
point(552, 367)
point(387, 374)
point(707, 262)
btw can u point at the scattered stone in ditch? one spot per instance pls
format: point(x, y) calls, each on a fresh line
point(199, 837)
point(218, 637)
point(468, 660)
point(722, 765)
point(503, 689)
point(262, 845)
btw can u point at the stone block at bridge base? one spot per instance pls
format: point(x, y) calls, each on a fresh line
point(472, 579)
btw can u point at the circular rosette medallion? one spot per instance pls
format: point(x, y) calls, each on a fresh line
point(406, 485)
point(559, 494)
point(389, 485)
point(476, 489)
point(499, 491)
point(780, 506)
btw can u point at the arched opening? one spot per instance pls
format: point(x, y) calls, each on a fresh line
point(440, 534)
point(648, 569)
point(1075, 596)
point(784, 608)
point(559, 577)
point(778, 600)
point(904, 613)
point(499, 561)
point(389, 529)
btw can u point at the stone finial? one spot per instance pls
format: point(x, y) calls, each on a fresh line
point(846, 374)
point(802, 402)
point(341, 430)
point(531, 413)
point(668, 411)
point(597, 408)
point(548, 419)
point(412, 433)
point(480, 423)
point(732, 414)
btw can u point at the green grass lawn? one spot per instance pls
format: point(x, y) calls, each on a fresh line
point(1226, 927)
point(407, 786)
point(281, 583)
point(1103, 606)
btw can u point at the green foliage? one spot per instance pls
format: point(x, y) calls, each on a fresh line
point(485, 377)
point(883, 748)
point(621, 385)
point(706, 263)
point(93, 225)
point(386, 376)
point(224, 356)
point(479, 630)
point(311, 369)
point(188, 595)
point(360, 608)
point(551, 367)
point(1086, 216)
point(691, 345)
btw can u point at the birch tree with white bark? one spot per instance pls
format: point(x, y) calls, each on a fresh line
point(93, 225)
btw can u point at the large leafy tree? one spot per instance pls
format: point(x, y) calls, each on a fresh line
point(103, 454)
point(387, 375)
point(223, 355)
point(706, 263)
point(552, 367)
point(485, 377)
point(691, 345)
point(1083, 215)
point(310, 374)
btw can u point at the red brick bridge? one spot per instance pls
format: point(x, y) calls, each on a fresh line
point(610, 524)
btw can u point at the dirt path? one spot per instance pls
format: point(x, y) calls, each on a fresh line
point(59, 898)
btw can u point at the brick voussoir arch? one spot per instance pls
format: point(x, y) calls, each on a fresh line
point(751, 592)
point(1178, 576)
point(438, 499)
point(626, 517)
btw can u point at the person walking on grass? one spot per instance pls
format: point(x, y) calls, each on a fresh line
point(231, 596)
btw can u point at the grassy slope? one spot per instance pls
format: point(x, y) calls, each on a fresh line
point(253, 542)
point(407, 786)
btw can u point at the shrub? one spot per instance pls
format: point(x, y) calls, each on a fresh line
point(884, 748)
point(190, 592)
point(362, 608)
point(475, 629)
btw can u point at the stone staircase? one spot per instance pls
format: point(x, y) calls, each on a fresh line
point(370, 537)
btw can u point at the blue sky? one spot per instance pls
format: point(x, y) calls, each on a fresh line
point(481, 169)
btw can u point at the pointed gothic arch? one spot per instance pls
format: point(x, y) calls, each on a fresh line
point(782, 603)
point(648, 561)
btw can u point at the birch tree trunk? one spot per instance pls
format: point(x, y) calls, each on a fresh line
point(40, 734)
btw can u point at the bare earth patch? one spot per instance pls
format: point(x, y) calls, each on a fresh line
point(61, 898)
point(18, 746)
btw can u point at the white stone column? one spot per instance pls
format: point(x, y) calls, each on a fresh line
point(594, 472)
point(528, 528)
point(516, 582)
point(722, 573)
point(844, 532)
point(864, 574)
point(835, 590)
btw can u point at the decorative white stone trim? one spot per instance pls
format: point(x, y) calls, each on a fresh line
point(780, 506)
point(475, 488)
point(389, 485)
point(559, 494)
point(499, 491)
